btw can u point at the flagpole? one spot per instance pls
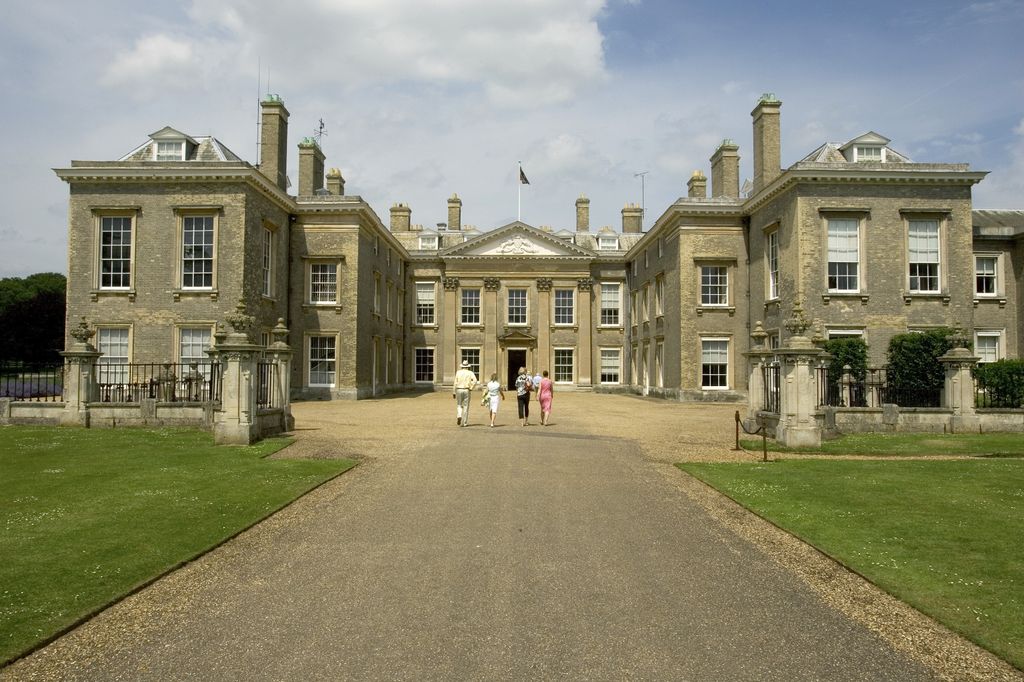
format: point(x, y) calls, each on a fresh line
point(519, 199)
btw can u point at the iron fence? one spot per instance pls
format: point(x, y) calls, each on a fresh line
point(168, 382)
point(1005, 395)
point(32, 382)
point(266, 376)
point(771, 374)
point(873, 390)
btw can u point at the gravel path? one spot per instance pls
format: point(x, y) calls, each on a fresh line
point(573, 551)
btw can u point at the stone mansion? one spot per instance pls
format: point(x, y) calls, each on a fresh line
point(164, 242)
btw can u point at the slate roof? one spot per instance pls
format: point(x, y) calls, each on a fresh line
point(201, 148)
point(997, 223)
point(831, 152)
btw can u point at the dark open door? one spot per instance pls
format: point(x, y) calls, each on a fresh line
point(516, 359)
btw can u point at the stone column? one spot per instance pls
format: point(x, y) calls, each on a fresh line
point(798, 426)
point(958, 392)
point(585, 340)
point(846, 384)
point(79, 376)
point(490, 362)
point(450, 317)
point(542, 353)
point(281, 355)
point(235, 423)
point(756, 356)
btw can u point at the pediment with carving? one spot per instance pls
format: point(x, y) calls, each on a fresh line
point(518, 240)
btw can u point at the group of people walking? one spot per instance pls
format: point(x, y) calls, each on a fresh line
point(493, 393)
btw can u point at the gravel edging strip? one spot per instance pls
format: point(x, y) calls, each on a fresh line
point(906, 629)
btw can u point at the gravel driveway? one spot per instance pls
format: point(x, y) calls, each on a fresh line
point(573, 551)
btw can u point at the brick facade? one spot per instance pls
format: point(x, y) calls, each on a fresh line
point(690, 288)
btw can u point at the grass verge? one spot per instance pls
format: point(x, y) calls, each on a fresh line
point(943, 536)
point(87, 516)
point(910, 444)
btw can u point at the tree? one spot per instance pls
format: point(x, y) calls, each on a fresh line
point(32, 311)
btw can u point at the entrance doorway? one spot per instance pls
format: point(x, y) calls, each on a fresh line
point(516, 358)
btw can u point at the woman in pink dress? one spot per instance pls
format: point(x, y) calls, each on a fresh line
point(544, 395)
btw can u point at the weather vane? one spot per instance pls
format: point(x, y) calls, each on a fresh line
point(320, 132)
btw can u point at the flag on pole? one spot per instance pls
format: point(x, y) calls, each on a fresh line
point(522, 177)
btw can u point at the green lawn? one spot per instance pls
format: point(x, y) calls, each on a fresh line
point(987, 444)
point(87, 515)
point(944, 536)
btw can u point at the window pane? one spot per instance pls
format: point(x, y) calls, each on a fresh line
point(470, 306)
point(563, 364)
point(610, 365)
point(714, 364)
point(424, 368)
point(472, 356)
point(322, 360)
point(115, 252)
point(563, 306)
point(985, 274)
point(197, 252)
point(112, 366)
point(323, 283)
point(843, 255)
point(714, 285)
point(773, 265)
point(268, 261)
point(986, 347)
point(424, 303)
point(610, 304)
point(517, 306)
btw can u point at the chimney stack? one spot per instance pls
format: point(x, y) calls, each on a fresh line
point(454, 212)
point(697, 186)
point(583, 214)
point(725, 170)
point(400, 217)
point(311, 167)
point(632, 219)
point(274, 140)
point(767, 145)
point(335, 183)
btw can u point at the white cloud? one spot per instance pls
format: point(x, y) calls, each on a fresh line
point(524, 54)
point(155, 61)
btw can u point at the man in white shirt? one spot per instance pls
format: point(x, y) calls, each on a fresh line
point(465, 382)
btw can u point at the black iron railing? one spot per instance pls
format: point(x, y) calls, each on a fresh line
point(771, 374)
point(266, 380)
point(32, 382)
point(873, 390)
point(168, 382)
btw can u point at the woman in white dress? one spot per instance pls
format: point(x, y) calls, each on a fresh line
point(495, 394)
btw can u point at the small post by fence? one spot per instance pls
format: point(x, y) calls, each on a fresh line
point(760, 430)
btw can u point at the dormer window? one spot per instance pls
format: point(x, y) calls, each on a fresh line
point(607, 243)
point(170, 151)
point(428, 241)
point(868, 153)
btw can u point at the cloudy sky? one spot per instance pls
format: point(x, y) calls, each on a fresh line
point(423, 98)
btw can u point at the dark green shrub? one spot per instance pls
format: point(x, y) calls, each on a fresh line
point(1003, 383)
point(849, 351)
point(914, 375)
